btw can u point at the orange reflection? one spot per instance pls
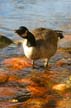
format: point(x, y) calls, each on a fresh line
point(17, 63)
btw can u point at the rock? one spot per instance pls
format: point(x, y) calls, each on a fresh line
point(49, 102)
point(8, 105)
point(8, 94)
point(17, 63)
point(4, 41)
point(60, 87)
point(65, 103)
point(3, 77)
point(13, 78)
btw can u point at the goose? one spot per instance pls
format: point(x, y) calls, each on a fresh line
point(40, 43)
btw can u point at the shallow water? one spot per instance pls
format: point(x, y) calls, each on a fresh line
point(55, 14)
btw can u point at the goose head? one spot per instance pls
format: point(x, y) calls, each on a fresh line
point(28, 36)
point(22, 31)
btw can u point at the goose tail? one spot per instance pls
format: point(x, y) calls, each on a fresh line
point(59, 34)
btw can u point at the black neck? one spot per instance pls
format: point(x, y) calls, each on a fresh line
point(30, 40)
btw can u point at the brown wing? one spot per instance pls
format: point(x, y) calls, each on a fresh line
point(39, 33)
point(45, 34)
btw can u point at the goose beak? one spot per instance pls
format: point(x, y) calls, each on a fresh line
point(16, 30)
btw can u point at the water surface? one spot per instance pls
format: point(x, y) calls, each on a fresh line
point(54, 14)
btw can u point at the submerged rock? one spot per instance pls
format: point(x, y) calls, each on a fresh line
point(3, 77)
point(17, 63)
point(8, 94)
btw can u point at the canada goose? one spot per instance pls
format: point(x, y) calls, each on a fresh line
point(41, 43)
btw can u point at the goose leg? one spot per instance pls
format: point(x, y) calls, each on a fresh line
point(33, 64)
point(46, 62)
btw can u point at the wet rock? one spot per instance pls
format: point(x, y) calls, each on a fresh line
point(61, 62)
point(49, 102)
point(8, 105)
point(9, 93)
point(13, 84)
point(26, 81)
point(60, 88)
point(4, 41)
point(38, 85)
point(3, 76)
point(13, 78)
point(22, 98)
point(65, 103)
point(33, 87)
point(37, 91)
point(17, 63)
